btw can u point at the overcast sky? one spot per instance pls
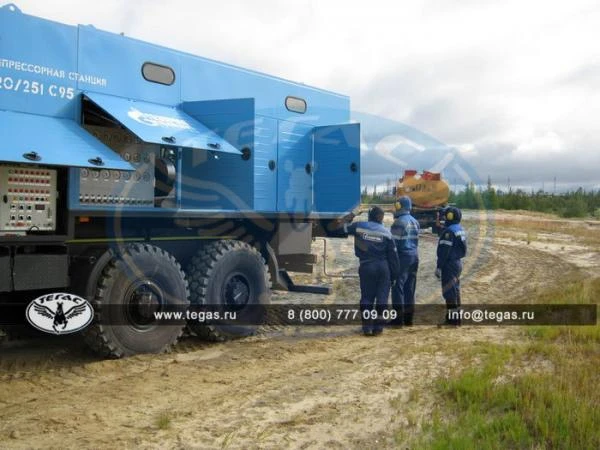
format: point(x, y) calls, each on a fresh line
point(513, 86)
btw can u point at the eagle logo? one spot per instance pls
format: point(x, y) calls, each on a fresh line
point(59, 313)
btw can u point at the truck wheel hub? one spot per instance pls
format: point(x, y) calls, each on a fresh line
point(237, 291)
point(143, 299)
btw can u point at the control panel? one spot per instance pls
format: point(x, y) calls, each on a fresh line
point(115, 187)
point(28, 199)
point(103, 187)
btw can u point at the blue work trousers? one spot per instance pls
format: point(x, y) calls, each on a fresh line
point(374, 292)
point(403, 293)
point(451, 283)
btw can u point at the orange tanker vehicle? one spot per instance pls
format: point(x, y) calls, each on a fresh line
point(429, 195)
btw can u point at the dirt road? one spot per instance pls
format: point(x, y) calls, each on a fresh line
point(288, 387)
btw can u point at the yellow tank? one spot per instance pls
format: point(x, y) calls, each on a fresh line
point(426, 190)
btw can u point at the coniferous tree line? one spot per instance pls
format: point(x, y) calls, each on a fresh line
point(578, 203)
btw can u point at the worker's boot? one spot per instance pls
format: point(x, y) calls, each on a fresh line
point(398, 321)
point(452, 319)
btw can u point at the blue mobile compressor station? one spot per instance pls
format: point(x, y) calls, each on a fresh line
point(144, 177)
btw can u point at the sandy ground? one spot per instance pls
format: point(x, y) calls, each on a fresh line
point(286, 387)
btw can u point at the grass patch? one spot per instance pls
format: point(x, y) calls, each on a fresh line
point(574, 291)
point(164, 421)
point(531, 236)
point(580, 230)
point(506, 401)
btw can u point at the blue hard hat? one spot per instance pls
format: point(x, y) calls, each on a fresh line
point(452, 214)
point(404, 203)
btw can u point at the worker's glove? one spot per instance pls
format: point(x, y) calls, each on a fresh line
point(438, 273)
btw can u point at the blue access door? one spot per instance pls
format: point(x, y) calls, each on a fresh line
point(265, 164)
point(294, 168)
point(337, 168)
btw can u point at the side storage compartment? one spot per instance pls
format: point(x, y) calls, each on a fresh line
point(221, 181)
point(337, 168)
point(40, 267)
point(294, 168)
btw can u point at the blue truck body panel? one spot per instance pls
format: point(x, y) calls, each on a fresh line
point(337, 167)
point(221, 182)
point(209, 80)
point(38, 60)
point(294, 181)
point(238, 146)
point(115, 61)
point(160, 124)
point(265, 160)
point(62, 139)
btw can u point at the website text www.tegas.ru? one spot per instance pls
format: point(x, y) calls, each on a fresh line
point(198, 316)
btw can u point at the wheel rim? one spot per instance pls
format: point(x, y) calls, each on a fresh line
point(142, 300)
point(236, 291)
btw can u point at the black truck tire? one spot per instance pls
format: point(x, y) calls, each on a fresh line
point(232, 275)
point(136, 282)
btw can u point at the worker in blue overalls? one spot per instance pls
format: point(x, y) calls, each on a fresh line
point(405, 231)
point(375, 249)
point(452, 247)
